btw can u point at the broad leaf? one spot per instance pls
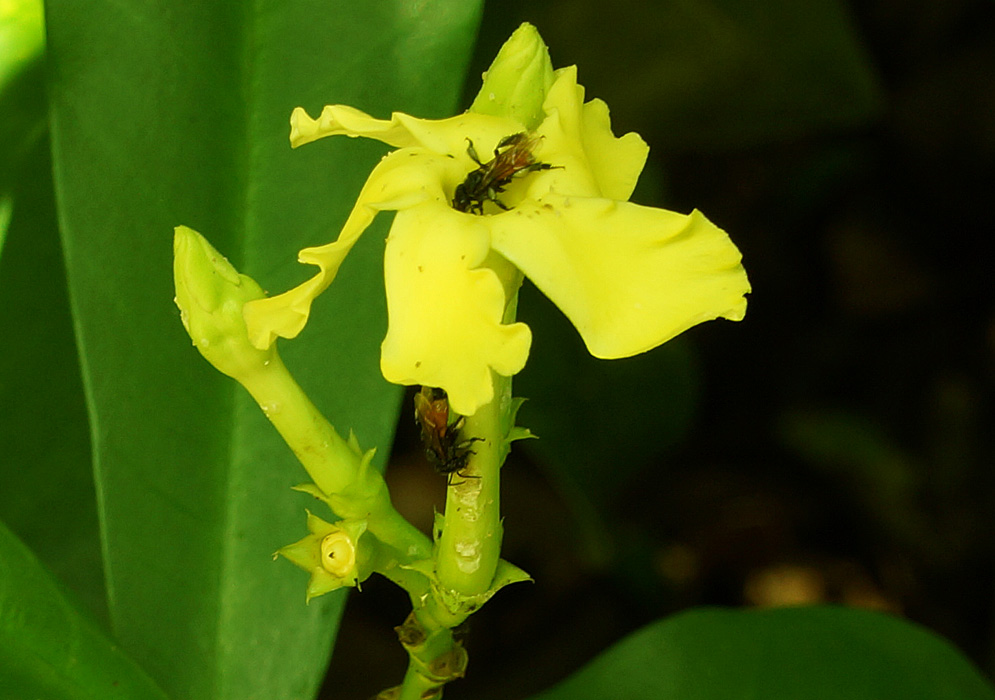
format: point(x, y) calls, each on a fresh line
point(782, 654)
point(168, 113)
point(48, 647)
point(45, 467)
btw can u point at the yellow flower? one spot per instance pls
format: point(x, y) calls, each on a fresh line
point(629, 277)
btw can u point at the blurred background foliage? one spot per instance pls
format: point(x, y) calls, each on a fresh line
point(833, 447)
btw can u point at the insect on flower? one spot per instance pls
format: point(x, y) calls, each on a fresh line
point(441, 434)
point(513, 155)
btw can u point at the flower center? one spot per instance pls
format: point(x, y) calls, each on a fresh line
point(338, 554)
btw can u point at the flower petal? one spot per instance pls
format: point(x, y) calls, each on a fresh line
point(402, 179)
point(579, 139)
point(615, 162)
point(444, 311)
point(443, 136)
point(628, 277)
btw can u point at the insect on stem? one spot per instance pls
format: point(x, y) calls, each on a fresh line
point(441, 433)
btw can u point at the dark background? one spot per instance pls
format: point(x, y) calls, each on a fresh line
point(833, 447)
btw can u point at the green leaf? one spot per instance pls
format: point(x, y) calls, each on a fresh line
point(45, 465)
point(167, 113)
point(782, 654)
point(48, 648)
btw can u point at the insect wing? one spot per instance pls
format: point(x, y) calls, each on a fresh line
point(516, 156)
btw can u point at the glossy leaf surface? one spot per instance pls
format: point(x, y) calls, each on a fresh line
point(779, 654)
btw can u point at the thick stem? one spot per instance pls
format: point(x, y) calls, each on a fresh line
point(434, 657)
point(470, 545)
point(468, 550)
point(415, 686)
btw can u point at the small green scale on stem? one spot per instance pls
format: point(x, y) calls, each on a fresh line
point(342, 473)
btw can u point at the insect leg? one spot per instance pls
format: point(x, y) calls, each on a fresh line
point(492, 193)
point(540, 166)
point(472, 152)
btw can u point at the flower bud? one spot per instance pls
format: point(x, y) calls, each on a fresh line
point(516, 84)
point(210, 294)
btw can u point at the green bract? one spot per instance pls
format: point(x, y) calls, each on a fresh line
point(629, 277)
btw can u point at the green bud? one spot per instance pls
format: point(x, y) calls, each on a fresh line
point(516, 84)
point(210, 294)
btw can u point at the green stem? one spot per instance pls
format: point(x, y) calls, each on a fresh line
point(434, 657)
point(470, 545)
point(467, 553)
point(415, 686)
point(328, 459)
point(336, 466)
